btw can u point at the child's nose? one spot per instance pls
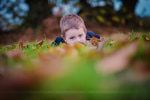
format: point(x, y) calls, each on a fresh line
point(78, 39)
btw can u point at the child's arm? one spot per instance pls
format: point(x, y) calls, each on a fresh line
point(100, 44)
point(57, 41)
point(95, 40)
point(90, 34)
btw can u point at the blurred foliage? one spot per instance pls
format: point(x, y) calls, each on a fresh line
point(10, 8)
point(36, 71)
point(106, 15)
point(39, 10)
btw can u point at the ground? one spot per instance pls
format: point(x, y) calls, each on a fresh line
point(32, 69)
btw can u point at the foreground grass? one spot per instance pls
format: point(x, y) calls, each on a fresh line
point(39, 71)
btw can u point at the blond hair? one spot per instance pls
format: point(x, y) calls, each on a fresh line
point(71, 21)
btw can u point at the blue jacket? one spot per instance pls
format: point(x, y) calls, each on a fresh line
point(89, 35)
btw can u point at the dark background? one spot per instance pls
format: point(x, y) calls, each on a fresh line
point(39, 20)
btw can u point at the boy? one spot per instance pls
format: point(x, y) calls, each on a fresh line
point(73, 30)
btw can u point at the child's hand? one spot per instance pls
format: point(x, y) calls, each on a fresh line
point(100, 44)
point(94, 41)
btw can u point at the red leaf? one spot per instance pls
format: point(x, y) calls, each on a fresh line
point(21, 45)
point(40, 43)
point(146, 38)
point(94, 41)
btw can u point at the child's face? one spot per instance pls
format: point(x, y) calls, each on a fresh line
point(75, 35)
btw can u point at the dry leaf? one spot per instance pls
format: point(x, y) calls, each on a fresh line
point(21, 45)
point(94, 41)
point(78, 45)
point(15, 54)
point(146, 38)
point(118, 60)
point(49, 64)
point(40, 43)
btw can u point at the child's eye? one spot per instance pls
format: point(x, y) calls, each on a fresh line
point(72, 37)
point(80, 35)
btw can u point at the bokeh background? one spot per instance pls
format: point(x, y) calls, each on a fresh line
point(32, 69)
point(29, 20)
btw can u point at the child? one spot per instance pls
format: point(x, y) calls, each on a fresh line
point(73, 30)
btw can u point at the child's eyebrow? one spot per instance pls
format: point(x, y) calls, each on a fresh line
point(72, 37)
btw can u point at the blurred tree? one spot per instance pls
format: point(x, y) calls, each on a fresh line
point(106, 15)
point(11, 14)
point(127, 12)
point(39, 10)
point(130, 5)
point(85, 6)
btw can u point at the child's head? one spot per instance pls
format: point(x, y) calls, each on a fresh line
point(73, 28)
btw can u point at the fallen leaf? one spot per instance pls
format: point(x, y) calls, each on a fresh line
point(94, 41)
point(21, 45)
point(118, 60)
point(15, 54)
point(49, 64)
point(40, 43)
point(146, 38)
point(78, 45)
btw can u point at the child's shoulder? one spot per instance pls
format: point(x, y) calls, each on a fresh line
point(57, 41)
point(91, 34)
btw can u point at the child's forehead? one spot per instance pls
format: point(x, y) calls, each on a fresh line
point(74, 32)
point(81, 30)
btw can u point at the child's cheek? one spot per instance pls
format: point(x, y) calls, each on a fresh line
point(74, 41)
point(69, 41)
point(83, 39)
